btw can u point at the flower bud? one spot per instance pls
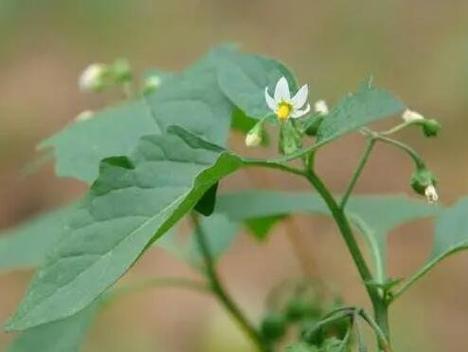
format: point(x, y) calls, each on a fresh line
point(423, 182)
point(84, 115)
point(321, 107)
point(411, 116)
point(92, 78)
point(254, 136)
point(151, 83)
point(431, 127)
point(431, 194)
point(121, 71)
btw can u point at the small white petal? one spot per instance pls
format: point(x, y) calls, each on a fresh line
point(411, 116)
point(270, 101)
point(84, 115)
point(299, 113)
point(431, 194)
point(300, 98)
point(91, 77)
point(321, 107)
point(282, 91)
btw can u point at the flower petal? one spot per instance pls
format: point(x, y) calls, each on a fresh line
point(282, 91)
point(299, 113)
point(270, 101)
point(300, 98)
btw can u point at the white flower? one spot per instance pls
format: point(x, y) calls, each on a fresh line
point(84, 115)
point(91, 79)
point(411, 116)
point(431, 194)
point(321, 107)
point(283, 105)
point(253, 139)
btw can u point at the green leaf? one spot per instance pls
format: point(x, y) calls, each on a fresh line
point(364, 211)
point(398, 210)
point(80, 147)
point(191, 99)
point(356, 110)
point(451, 235)
point(26, 245)
point(207, 203)
point(260, 227)
point(63, 335)
point(243, 78)
point(451, 231)
point(133, 202)
point(194, 101)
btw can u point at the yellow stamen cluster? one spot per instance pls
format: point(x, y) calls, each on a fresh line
point(284, 110)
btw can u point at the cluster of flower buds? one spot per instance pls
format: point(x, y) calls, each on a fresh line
point(97, 76)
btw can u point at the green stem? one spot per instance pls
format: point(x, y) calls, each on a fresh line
point(381, 335)
point(357, 172)
point(221, 293)
point(407, 149)
point(379, 305)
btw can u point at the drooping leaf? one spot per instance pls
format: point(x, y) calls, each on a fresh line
point(367, 105)
point(243, 78)
point(26, 245)
point(133, 202)
point(60, 336)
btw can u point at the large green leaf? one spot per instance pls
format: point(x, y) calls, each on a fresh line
point(133, 202)
point(243, 78)
point(367, 105)
point(65, 335)
point(26, 245)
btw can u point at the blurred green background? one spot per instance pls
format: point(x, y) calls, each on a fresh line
point(417, 49)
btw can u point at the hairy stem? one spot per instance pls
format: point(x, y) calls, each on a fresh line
point(221, 293)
